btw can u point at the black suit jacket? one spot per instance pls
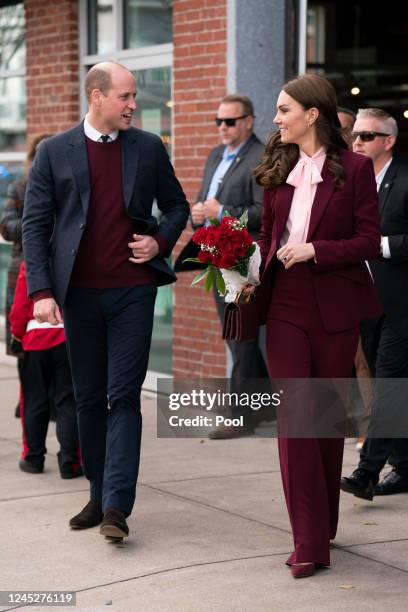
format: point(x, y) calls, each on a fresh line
point(57, 200)
point(391, 275)
point(237, 192)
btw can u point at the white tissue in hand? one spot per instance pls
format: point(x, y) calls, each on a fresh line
point(234, 281)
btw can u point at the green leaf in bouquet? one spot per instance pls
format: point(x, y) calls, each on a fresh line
point(210, 279)
point(242, 266)
point(219, 279)
point(199, 276)
point(225, 213)
point(251, 250)
point(214, 222)
point(244, 218)
point(195, 259)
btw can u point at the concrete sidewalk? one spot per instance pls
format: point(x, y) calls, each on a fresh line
point(209, 532)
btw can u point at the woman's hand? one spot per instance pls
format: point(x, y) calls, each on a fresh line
point(248, 290)
point(295, 253)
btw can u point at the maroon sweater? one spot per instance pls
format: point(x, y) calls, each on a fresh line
point(103, 254)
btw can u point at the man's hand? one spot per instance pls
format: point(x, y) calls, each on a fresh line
point(197, 214)
point(295, 253)
point(144, 248)
point(47, 311)
point(211, 208)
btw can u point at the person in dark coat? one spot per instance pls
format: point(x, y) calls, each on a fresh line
point(93, 248)
point(228, 186)
point(10, 230)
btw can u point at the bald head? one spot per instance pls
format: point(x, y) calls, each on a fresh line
point(100, 77)
point(111, 93)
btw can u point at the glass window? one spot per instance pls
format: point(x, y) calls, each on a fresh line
point(12, 47)
point(5, 252)
point(12, 114)
point(366, 63)
point(101, 32)
point(120, 29)
point(153, 112)
point(147, 22)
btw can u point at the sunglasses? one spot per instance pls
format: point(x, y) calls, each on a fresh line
point(230, 122)
point(367, 136)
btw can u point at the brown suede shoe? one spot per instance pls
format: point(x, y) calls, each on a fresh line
point(114, 526)
point(226, 432)
point(90, 516)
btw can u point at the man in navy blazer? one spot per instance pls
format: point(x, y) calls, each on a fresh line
point(93, 249)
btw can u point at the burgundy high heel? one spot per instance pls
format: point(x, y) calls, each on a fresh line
point(302, 570)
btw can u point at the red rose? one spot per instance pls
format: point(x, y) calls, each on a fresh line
point(205, 257)
point(227, 260)
point(199, 235)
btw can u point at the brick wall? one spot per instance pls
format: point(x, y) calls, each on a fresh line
point(200, 81)
point(52, 65)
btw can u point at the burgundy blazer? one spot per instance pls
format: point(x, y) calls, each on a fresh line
point(345, 231)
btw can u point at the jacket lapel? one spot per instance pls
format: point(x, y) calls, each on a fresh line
point(386, 185)
point(283, 202)
point(78, 158)
point(323, 194)
point(130, 159)
point(235, 164)
point(209, 174)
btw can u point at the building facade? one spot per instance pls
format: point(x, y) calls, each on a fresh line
point(187, 54)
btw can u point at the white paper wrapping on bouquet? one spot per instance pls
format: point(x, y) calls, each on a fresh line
point(234, 281)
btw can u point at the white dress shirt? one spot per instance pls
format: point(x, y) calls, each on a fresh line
point(385, 247)
point(95, 135)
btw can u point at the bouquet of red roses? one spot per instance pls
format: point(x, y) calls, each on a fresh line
point(228, 248)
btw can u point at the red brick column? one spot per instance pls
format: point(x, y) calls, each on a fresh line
point(52, 65)
point(199, 82)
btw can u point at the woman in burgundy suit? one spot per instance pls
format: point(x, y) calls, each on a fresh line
point(320, 222)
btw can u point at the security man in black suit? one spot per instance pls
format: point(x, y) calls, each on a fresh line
point(385, 340)
point(228, 185)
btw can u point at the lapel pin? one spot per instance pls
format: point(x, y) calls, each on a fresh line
point(386, 185)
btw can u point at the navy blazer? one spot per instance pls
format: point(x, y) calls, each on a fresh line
point(57, 201)
point(238, 191)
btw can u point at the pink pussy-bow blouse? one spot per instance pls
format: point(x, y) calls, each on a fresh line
point(304, 177)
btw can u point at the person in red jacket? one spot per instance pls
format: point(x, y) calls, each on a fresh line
point(45, 370)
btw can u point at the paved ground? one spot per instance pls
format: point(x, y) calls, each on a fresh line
point(209, 532)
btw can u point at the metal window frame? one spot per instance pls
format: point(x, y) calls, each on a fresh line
point(143, 58)
point(302, 25)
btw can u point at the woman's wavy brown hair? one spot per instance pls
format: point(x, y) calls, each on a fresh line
point(309, 90)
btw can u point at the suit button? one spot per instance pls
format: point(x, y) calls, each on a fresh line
point(82, 226)
point(73, 252)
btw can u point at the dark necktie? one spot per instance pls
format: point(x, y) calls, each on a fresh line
point(105, 138)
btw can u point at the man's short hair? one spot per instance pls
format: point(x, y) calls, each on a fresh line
point(346, 111)
point(247, 106)
point(388, 123)
point(97, 79)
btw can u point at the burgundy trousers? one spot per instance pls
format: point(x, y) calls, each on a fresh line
point(299, 347)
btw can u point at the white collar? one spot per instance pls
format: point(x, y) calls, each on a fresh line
point(93, 134)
